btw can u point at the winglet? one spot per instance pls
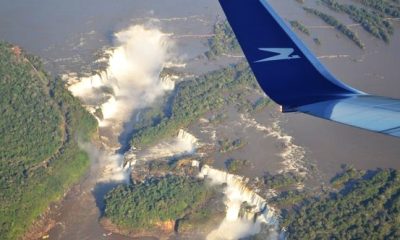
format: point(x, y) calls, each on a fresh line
point(294, 78)
point(285, 69)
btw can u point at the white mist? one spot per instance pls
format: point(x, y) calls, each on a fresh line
point(132, 76)
point(130, 82)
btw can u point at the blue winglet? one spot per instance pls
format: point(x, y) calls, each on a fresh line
point(294, 78)
point(285, 69)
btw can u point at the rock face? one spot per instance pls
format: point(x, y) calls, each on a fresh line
point(162, 233)
point(167, 227)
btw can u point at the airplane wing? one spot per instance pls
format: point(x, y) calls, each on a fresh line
point(293, 77)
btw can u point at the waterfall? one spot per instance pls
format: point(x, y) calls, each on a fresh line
point(183, 143)
point(168, 82)
point(186, 137)
point(130, 82)
point(238, 224)
point(293, 155)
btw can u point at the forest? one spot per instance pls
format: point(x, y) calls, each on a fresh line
point(374, 23)
point(223, 42)
point(234, 165)
point(40, 125)
point(148, 204)
point(338, 25)
point(301, 27)
point(365, 206)
point(374, 16)
point(191, 99)
point(383, 6)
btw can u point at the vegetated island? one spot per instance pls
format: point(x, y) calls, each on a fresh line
point(374, 16)
point(390, 8)
point(223, 42)
point(299, 26)
point(227, 145)
point(234, 165)
point(166, 198)
point(192, 99)
point(372, 21)
point(40, 125)
point(337, 24)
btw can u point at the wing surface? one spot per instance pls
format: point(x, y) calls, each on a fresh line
point(293, 77)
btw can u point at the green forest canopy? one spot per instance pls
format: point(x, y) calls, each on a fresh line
point(39, 126)
point(193, 98)
point(366, 207)
point(150, 203)
point(223, 42)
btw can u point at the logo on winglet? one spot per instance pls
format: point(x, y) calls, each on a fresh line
point(282, 54)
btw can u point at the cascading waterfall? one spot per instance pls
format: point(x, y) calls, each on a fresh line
point(237, 225)
point(130, 82)
point(168, 82)
point(183, 143)
point(293, 155)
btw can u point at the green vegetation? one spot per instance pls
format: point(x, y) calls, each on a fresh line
point(243, 104)
point(298, 25)
point(193, 98)
point(338, 25)
point(148, 204)
point(223, 42)
point(372, 22)
point(205, 218)
point(261, 104)
point(283, 180)
point(234, 165)
point(226, 145)
point(39, 127)
point(383, 6)
point(367, 207)
point(289, 199)
point(349, 174)
point(23, 139)
point(317, 41)
point(218, 118)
